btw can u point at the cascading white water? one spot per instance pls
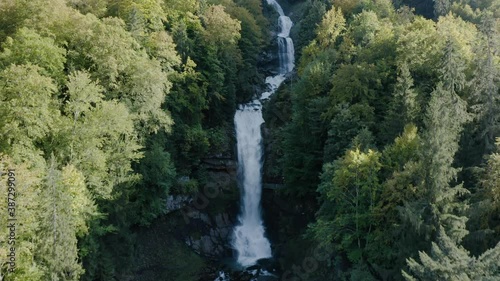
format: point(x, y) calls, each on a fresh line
point(222, 277)
point(249, 236)
point(285, 45)
point(276, 6)
point(250, 241)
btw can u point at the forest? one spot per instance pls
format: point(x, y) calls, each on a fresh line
point(384, 141)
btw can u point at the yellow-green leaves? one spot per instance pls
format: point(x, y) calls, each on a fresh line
point(418, 44)
point(97, 136)
point(178, 10)
point(459, 39)
point(160, 45)
point(356, 169)
point(404, 149)
point(220, 27)
point(83, 94)
point(27, 46)
point(149, 13)
point(364, 27)
point(461, 33)
point(82, 205)
point(351, 188)
point(332, 25)
point(96, 7)
point(144, 93)
point(27, 200)
point(59, 225)
point(28, 111)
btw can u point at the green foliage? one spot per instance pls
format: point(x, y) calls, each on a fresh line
point(219, 141)
point(28, 181)
point(27, 47)
point(148, 12)
point(28, 110)
point(96, 7)
point(314, 12)
point(14, 13)
point(98, 135)
point(158, 176)
point(330, 27)
point(187, 99)
point(351, 189)
point(414, 47)
point(485, 205)
point(350, 7)
point(405, 104)
point(490, 181)
point(457, 51)
point(65, 204)
point(438, 204)
point(344, 127)
point(214, 18)
point(388, 74)
point(250, 44)
point(402, 173)
point(485, 84)
point(92, 91)
point(448, 261)
point(356, 83)
point(303, 155)
point(176, 9)
point(404, 149)
point(442, 7)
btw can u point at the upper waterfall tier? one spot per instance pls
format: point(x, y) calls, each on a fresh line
point(285, 24)
point(286, 51)
point(276, 6)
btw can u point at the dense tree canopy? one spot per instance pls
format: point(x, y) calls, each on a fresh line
point(393, 113)
point(385, 138)
point(104, 106)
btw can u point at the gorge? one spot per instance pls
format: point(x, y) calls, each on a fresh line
point(250, 242)
point(193, 140)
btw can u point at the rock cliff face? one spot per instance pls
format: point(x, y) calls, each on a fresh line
point(209, 216)
point(196, 228)
point(215, 238)
point(205, 233)
point(268, 61)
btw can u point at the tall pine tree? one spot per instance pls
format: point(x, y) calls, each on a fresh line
point(485, 95)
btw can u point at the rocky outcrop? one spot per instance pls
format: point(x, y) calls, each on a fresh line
point(196, 230)
point(177, 202)
point(208, 217)
point(216, 241)
point(268, 61)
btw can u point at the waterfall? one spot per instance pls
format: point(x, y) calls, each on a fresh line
point(250, 241)
point(276, 6)
point(285, 45)
point(249, 238)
